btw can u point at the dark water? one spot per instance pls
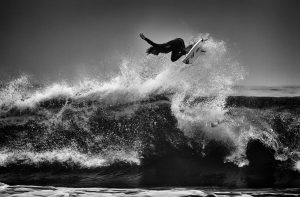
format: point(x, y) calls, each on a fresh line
point(153, 130)
point(267, 91)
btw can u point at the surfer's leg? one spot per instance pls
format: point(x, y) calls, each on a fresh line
point(175, 56)
point(176, 44)
point(173, 45)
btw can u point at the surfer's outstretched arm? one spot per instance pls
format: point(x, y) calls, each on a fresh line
point(148, 40)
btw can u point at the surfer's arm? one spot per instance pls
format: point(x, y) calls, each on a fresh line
point(148, 40)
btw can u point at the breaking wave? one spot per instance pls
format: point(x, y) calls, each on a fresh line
point(151, 108)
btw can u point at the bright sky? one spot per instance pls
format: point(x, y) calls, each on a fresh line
point(52, 39)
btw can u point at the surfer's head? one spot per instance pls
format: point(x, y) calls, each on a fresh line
point(152, 50)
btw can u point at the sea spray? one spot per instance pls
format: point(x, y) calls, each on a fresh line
point(61, 108)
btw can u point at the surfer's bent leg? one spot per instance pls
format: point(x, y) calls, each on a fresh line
point(174, 46)
point(175, 55)
point(177, 47)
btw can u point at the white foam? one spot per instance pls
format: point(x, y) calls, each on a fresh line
point(21, 190)
point(213, 74)
point(67, 155)
point(297, 166)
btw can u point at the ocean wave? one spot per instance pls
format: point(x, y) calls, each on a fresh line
point(150, 110)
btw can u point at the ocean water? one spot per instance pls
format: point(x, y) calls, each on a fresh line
point(156, 128)
point(267, 91)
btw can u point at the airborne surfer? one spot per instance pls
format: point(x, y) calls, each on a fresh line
point(176, 46)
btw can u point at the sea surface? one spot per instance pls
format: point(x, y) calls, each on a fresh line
point(153, 129)
point(268, 91)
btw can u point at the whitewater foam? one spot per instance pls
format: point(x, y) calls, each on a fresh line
point(68, 157)
point(297, 166)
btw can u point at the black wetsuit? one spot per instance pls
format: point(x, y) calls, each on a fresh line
point(176, 46)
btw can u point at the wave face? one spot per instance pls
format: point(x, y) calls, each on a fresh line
point(155, 123)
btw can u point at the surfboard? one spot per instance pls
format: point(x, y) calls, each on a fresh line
point(195, 52)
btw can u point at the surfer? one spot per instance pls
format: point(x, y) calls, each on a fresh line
point(176, 46)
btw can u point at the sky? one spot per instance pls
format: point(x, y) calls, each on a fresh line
point(57, 39)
